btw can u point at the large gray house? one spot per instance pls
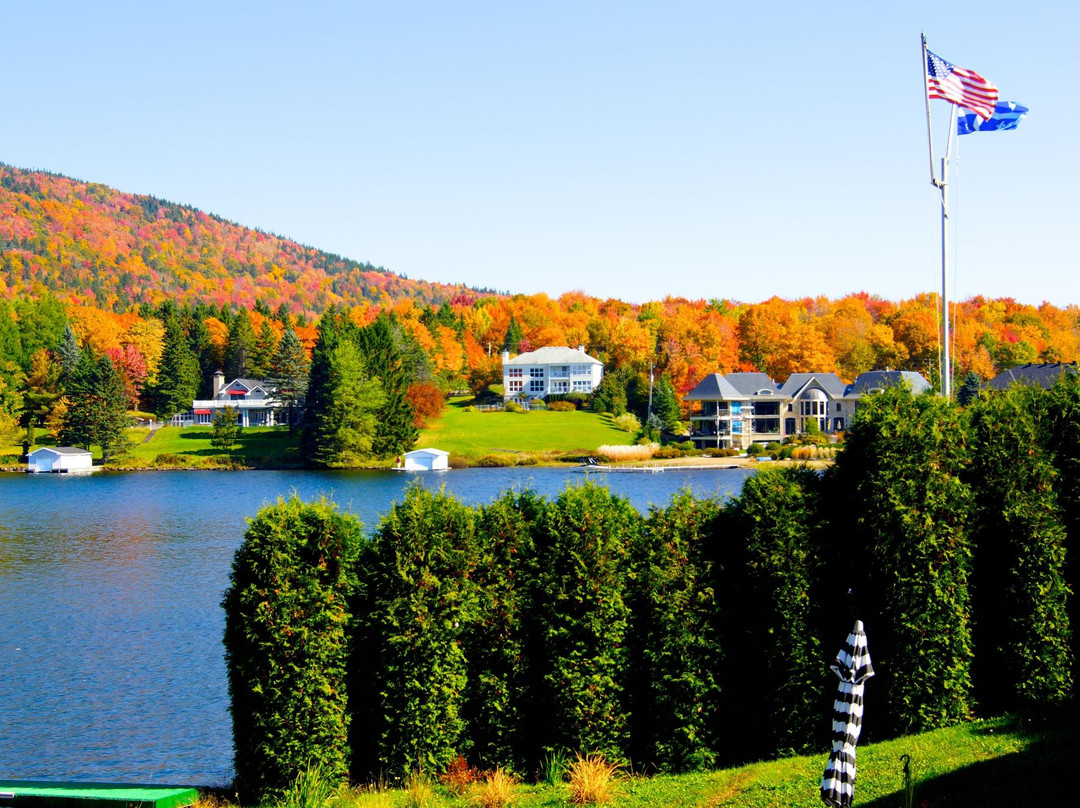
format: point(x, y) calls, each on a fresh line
point(734, 410)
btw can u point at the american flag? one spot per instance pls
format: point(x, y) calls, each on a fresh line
point(959, 86)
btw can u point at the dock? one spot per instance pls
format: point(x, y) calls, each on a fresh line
point(35, 794)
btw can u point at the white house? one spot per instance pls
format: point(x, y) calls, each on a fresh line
point(253, 401)
point(59, 459)
point(426, 460)
point(550, 371)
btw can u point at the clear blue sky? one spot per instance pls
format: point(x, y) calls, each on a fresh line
point(626, 149)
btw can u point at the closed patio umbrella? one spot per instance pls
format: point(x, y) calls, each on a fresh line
point(853, 667)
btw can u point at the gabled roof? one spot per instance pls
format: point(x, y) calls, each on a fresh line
point(1044, 375)
point(797, 382)
point(713, 387)
point(555, 355)
point(431, 452)
point(251, 384)
point(880, 379)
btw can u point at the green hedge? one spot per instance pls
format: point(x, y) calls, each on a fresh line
point(286, 621)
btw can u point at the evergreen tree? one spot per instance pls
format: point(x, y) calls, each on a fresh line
point(67, 353)
point(581, 605)
point(397, 420)
point(178, 374)
point(206, 355)
point(906, 550)
point(969, 390)
point(610, 395)
point(289, 373)
point(1022, 654)
point(768, 607)
point(345, 429)
point(240, 351)
point(666, 404)
point(514, 336)
point(286, 628)
point(674, 640)
point(97, 407)
point(264, 349)
point(225, 429)
point(419, 580)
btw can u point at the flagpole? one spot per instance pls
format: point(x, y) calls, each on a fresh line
point(946, 361)
point(926, 95)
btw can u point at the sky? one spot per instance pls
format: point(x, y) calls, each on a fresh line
point(624, 149)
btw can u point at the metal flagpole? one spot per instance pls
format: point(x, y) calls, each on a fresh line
point(946, 375)
point(926, 94)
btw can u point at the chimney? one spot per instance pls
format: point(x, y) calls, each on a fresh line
point(505, 357)
point(581, 348)
point(219, 382)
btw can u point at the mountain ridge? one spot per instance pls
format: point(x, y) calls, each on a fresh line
point(87, 243)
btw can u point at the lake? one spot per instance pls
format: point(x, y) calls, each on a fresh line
point(110, 617)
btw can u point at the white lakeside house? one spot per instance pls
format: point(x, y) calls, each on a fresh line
point(253, 401)
point(550, 371)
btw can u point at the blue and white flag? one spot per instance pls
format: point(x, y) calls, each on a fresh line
point(1007, 115)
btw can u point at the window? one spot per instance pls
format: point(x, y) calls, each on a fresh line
point(559, 371)
point(536, 386)
point(515, 386)
point(579, 370)
point(514, 373)
point(536, 373)
point(582, 386)
point(838, 406)
point(560, 387)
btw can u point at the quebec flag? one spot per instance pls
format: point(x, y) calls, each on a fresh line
point(1007, 115)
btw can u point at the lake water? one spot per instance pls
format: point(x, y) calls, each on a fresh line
point(111, 665)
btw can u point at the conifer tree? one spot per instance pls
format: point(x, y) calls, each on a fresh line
point(514, 336)
point(345, 429)
point(1022, 654)
point(263, 351)
point(97, 407)
point(289, 373)
point(178, 374)
point(240, 351)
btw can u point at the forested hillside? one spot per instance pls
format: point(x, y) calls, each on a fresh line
point(89, 244)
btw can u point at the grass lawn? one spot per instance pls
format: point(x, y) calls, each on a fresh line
point(257, 446)
point(998, 763)
point(476, 433)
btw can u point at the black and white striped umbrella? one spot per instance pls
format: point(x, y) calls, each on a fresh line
point(853, 667)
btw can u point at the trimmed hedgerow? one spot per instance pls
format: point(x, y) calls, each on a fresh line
point(498, 644)
point(675, 648)
point(421, 601)
point(582, 560)
point(768, 602)
point(1022, 654)
point(286, 619)
point(905, 549)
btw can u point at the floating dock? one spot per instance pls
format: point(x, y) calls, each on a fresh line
point(34, 794)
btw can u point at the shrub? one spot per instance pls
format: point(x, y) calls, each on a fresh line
point(755, 449)
point(286, 647)
point(773, 449)
point(675, 648)
point(496, 790)
point(904, 513)
point(513, 406)
point(170, 459)
point(583, 549)
point(771, 568)
point(459, 775)
point(562, 406)
point(537, 404)
point(592, 780)
point(1023, 658)
point(627, 422)
point(495, 461)
point(421, 603)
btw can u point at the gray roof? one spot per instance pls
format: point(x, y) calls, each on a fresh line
point(559, 355)
point(1044, 375)
point(713, 387)
point(753, 384)
point(64, 450)
point(829, 382)
point(251, 384)
point(880, 379)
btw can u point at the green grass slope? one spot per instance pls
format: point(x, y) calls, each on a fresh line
point(470, 433)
